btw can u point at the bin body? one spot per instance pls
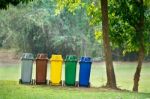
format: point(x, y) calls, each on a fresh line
point(70, 70)
point(41, 68)
point(26, 67)
point(56, 63)
point(85, 69)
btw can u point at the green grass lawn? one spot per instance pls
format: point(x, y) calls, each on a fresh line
point(10, 89)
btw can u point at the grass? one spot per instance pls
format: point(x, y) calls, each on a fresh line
point(10, 89)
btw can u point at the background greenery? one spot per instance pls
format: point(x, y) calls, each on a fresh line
point(35, 27)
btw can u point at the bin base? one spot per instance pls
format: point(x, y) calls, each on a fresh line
point(28, 83)
point(82, 85)
point(41, 83)
point(56, 84)
point(69, 84)
point(75, 84)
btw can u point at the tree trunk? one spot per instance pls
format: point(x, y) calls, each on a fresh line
point(139, 32)
point(138, 69)
point(111, 79)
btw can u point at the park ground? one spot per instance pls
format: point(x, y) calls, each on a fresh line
point(11, 89)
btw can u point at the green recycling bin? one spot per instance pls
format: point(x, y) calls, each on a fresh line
point(26, 68)
point(70, 70)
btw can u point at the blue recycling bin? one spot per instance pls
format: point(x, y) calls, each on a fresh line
point(84, 73)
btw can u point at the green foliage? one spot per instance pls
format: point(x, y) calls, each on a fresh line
point(98, 36)
point(130, 11)
point(122, 34)
point(70, 5)
point(5, 3)
point(94, 14)
point(92, 8)
point(35, 28)
point(124, 19)
point(25, 27)
point(147, 31)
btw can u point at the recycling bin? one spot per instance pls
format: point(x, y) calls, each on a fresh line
point(70, 70)
point(84, 73)
point(56, 63)
point(26, 68)
point(41, 68)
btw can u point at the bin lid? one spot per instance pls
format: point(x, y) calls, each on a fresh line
point(42, 56)
point(71, 58)
point(28, 56)
point(85, 59)
point(56, 58)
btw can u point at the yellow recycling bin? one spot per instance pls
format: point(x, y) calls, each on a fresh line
point(56, 63)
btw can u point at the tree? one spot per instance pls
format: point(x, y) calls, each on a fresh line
point(131, 39)
point(72, 6)
point(127, 29)
point(139, 32)
point(111, 80)
point(34, 27)
point(5, 3)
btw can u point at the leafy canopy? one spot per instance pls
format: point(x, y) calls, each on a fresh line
point(124, 16)
point(5, 3)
